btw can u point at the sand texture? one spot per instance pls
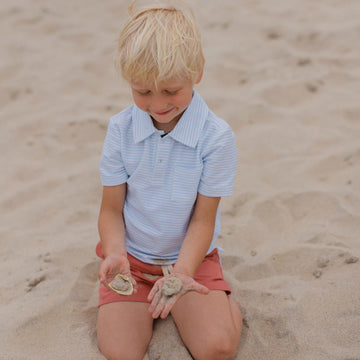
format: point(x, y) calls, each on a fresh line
point(172, 286)
point(121, 285)
point(285, 74)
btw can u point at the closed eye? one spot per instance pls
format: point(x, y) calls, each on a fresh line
point(170, 92)
point(143, 93)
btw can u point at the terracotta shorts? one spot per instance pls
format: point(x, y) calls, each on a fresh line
point(208, 274)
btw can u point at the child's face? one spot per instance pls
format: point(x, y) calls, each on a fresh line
point(165, 103)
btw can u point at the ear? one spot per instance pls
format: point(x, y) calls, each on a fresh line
point(200, 75)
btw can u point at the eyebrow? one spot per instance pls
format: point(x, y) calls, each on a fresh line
point(140, 89)
point(167, 88)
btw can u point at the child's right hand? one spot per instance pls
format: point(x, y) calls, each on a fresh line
point(161, 304)
point(113, 265)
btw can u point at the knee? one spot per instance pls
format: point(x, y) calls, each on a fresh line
point(120, 354)
point(222, 350)
point(219, 348)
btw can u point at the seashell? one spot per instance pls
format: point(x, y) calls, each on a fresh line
point(172, 286)
point(122, 285)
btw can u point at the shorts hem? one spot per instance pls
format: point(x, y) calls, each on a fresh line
point(209, 274)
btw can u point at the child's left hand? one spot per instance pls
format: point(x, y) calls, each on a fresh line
point(162, 304)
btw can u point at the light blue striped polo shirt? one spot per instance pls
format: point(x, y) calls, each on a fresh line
point(164, 175)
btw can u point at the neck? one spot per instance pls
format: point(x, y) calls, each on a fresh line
point(168, 126)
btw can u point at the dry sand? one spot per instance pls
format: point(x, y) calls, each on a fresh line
point(285, 74)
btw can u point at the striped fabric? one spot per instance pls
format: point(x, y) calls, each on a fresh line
point(164, 175)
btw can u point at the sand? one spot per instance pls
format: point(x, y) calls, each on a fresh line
point(285, 74)
point(121, 285)
point(172, 286)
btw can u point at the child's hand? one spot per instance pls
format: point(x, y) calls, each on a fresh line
point(167, 290)
point(113, 265)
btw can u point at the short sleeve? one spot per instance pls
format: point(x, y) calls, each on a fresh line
point(112, 170)
point(219, 166)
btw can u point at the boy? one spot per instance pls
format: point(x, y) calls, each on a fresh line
point(165, 164)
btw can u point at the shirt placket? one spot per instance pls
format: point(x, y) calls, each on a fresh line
point(161, 160)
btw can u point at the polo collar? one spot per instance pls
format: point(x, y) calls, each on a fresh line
point(142, 124)
point(187, 130)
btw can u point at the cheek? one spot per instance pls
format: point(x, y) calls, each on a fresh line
point(183, 102)
point(141, 103)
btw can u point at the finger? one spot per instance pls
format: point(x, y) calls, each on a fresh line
point(133, 281)
point(168, 306)
point(159, 308)
point(155, 301)
point(102, 273)
point(156, 288)
point(101, 276)
point(199, 288)
point(135, 285)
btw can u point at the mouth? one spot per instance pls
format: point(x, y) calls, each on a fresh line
point(162, 113)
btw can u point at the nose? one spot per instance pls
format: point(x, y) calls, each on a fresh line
point(159, 104)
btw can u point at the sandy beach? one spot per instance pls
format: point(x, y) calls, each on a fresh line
point(285, 74)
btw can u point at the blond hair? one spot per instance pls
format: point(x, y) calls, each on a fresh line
point(159, 42)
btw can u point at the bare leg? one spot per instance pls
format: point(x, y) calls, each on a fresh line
point(210, 325)
point(124, 330)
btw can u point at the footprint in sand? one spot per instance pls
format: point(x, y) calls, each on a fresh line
point(34, 281)
point(349, 258)
point(41, 275)
point(322, 261)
